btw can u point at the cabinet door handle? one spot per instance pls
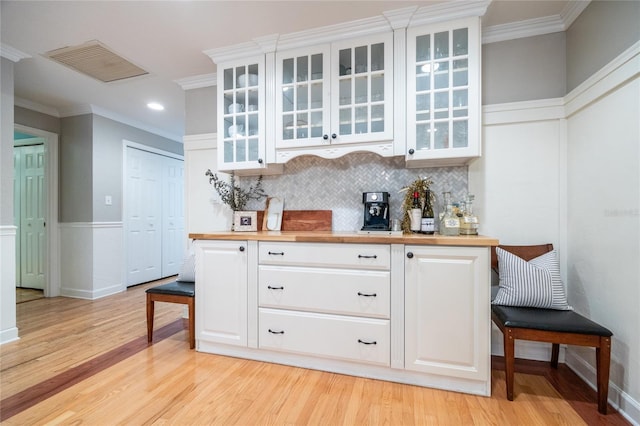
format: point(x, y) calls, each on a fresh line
point(333, 136)
point(411, 151)
point(275, 288)
point(241, 248)
point(364, 342)
point(325, 137)
point(367, 294)
point(276, 253)
point(410, 255)
point(365, 256)
point(276, 332)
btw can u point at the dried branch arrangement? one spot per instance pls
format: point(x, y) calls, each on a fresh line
point(231, 194)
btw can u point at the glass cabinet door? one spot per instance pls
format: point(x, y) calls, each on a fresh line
point(302, 97)
point(241, 124)
point(443, 89)
point(362, 91)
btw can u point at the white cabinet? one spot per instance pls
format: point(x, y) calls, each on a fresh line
point(335, 98)
point(443, 92)
point(328, 300)
point(221, 292)
point(447, 315)
point(241, 114)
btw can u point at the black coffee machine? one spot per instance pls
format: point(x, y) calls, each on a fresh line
point(376, 211)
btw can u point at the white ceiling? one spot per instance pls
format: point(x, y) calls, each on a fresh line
point(167, 38)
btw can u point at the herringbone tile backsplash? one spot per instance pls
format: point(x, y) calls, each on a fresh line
point(314, 183)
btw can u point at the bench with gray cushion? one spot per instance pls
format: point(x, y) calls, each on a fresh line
point(552, 326)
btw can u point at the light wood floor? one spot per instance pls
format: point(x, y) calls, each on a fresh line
point(87, 362)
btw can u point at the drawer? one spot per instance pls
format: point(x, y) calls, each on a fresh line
point(336, 291)
point(359, 256)
point(364, 340)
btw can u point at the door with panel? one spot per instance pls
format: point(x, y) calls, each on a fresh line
point(29, 190)
point(143, 216)
point(173, 242)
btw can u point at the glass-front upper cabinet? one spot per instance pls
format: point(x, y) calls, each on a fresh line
point(336, 93)
point(362, 90)
point(443, 91)
point(241, 118)
point(302, 97)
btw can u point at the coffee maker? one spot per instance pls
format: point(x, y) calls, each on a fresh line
point(376, 211)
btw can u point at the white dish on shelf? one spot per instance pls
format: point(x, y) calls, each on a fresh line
point(235, 108)
point(242, 80)
point(236, 130)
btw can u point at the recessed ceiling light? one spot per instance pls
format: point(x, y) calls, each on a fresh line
point(155, 106)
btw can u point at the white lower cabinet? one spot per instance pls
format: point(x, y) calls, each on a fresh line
point(414, 314)
point(221, 292)
point(334, 336)
point(447, 312)
point(328, 300)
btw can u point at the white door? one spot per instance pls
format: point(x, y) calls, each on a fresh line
point(143, 216)
point(173, 242)
point(29, 190)
point(221, 285)
point(447, 316)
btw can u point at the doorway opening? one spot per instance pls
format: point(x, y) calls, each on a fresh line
point(36, 210)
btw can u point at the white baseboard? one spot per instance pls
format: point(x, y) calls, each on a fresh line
point(628, 407)
point(9, 335)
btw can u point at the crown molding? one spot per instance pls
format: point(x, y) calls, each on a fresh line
point(12, 54)
point(103, 112)
point(198, 81)
point(34, 106)
point(448, 11)
point(572, 10)
point(400, 18)
point(522, 29)
point(536, 26)
point(235, 52)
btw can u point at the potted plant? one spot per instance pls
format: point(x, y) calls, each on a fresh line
point(237, 198)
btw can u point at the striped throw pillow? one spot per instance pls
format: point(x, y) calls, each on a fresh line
point(188, 269)
point(534, 284)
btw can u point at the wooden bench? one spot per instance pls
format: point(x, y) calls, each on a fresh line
point(551, 326)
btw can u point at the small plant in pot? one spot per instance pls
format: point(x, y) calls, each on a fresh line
point(232, 194)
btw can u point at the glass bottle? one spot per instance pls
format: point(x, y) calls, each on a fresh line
point(427, 223)
point(415, 213)
point(450, 223)
point(469, 222)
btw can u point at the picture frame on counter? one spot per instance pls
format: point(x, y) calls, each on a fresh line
point(245, 221)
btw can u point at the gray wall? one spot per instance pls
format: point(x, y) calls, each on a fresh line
point(76, 168)
point(524, 69)
point(601, 32)
point(6, 142)
point(108, 162)
point(202, 111)
point(37, 120)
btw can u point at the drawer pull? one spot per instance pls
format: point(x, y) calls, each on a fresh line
point(367, 295)
point(276, 332)
point(275, 288)
point(276, 253)
point(364, 256)
point(364, 342)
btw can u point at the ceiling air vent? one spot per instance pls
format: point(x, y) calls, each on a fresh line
point(96, 60)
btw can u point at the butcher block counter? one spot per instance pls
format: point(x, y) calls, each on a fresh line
point(406, 308)
point(350, 237)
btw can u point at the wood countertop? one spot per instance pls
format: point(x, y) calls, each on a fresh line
point(349, 237)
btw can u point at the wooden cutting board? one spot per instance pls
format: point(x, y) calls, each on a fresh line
point(303, 220)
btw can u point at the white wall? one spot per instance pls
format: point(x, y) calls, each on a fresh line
point(567, 171)
point(603, 219)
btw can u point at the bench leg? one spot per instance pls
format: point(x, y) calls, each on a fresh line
point(603, 360)
point(509, 361)
point(555, 352)
point(150, 312)
point(192, 323)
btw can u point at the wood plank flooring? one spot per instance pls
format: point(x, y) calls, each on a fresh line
point(87, 362)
